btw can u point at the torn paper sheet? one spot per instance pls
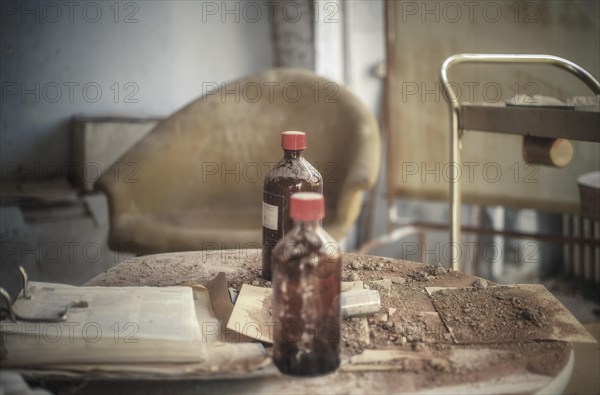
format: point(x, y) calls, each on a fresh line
point(505, 314)
point(217, 309)
point(252, 317)
point(226, 351)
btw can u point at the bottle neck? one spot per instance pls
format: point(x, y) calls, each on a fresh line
point(308, 225)
point(292, 154)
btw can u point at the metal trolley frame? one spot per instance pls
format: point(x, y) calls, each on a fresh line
point(533, 121)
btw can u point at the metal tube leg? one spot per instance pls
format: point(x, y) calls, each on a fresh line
point(455, 246)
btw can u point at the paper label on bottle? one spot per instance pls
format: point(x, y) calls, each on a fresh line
point(270, 216)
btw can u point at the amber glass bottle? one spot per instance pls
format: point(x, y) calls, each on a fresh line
point(291, 174)
point(307, 266)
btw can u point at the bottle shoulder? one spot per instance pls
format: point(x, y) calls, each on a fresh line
point(289, 171)
point(299, 242)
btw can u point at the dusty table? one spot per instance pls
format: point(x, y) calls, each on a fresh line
point(425, 360)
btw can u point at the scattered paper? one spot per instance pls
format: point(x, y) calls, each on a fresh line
point(251, 316)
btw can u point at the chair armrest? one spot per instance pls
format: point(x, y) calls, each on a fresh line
point(361, 177)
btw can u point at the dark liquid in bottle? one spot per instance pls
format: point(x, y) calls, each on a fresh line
point(306, 303)
point(290, 175)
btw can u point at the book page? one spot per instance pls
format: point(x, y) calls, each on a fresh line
point(119, 324)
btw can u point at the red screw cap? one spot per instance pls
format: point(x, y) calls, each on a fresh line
point(293, 141)
point(307, 206)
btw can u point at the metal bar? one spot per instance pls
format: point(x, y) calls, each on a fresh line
point(552, 60)
point(455, 217)
point(25, 283)
point(596, 229)
point(456, 108)
point(577, 247)
point(566, 226)
point(532, 121)
point(549, 237)
point(588, 274)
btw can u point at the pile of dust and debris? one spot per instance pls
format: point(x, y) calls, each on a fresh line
point(408, 320)
point(407, 323)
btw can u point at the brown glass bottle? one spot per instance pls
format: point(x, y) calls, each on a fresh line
point(307, 266)
point(291, 174)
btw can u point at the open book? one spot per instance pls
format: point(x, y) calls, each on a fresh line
point(119, 325)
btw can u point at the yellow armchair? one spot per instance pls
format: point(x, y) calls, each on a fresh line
point(195, 182)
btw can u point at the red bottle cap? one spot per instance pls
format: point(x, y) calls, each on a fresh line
point(293, 141)
point(307, 206)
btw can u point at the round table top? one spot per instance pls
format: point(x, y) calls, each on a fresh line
point(427, 364)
